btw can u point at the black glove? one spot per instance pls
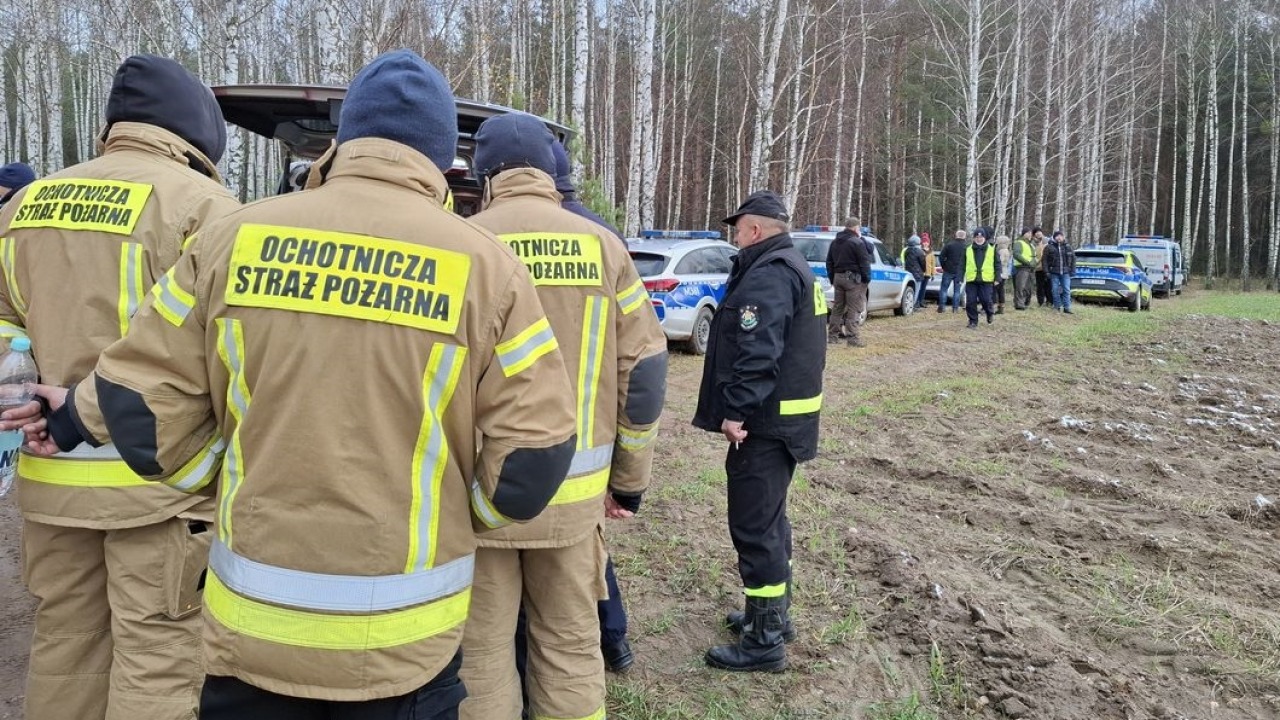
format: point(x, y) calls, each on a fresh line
point(630, 503)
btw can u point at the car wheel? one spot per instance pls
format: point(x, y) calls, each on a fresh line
point(1150, 298)
point(1178, 291)
point(1136, 302)
point(701, 332)
point(907, 303)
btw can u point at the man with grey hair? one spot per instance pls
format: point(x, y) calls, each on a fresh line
point(849, 270)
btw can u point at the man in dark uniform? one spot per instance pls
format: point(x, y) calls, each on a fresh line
point(762, 388)
point(849, 270)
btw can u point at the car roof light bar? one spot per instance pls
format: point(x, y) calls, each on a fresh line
point(681, 234)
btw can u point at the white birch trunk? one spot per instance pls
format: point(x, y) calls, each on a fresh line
point(1246, 235)
point(1155, 159)
point(762, 138)
point(1273, 253)
point(971, 99)
point(581, 61)
point(1211, 269)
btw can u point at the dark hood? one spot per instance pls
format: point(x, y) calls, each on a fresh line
point(564, 183)
point(158, 91)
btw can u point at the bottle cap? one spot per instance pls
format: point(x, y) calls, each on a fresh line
point(20, 344)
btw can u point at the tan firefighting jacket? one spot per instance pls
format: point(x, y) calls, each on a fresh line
point(350, 343)
point(80, 249)
point(614, 350)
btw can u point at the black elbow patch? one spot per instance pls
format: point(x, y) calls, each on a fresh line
point(132, 426)
point(530, 477)
point(647, 389)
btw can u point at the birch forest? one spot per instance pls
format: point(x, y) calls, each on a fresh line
point(1097, 117)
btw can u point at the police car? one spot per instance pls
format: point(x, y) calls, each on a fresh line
point(892, 288)
point(1108, 275)
point(686, 273)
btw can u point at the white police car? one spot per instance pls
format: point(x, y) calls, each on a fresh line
point(685, 272)
point(892, 288)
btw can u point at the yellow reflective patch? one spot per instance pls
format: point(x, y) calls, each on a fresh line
point(8, 258)
point(597, 715)
point(106, 206)
point(768, 591)
point(9, 330)
point(78, 473)
point(803, 406)
point(577, 489)
point(131, 283)
point(819, 299)
point(559, 259)
point(346, 275)
point(300, 628)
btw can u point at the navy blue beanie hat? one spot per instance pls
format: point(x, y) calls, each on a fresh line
point(401, 97)
point(564, 183)
point(514, 140)
point(16, 176)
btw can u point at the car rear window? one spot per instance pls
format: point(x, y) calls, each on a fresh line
point(813, 249)
point(1094, 257)
point(649, 264)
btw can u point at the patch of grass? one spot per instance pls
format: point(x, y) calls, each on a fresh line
point(981, 467)
point(1259, 305)
point(908, 708)
point(948, 683)
point(663, 623)
point(632, 701)
point(692, 491)
point(826, 543)
point(845, 630)
point(1099, 328)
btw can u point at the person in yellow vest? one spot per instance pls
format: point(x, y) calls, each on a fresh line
point(113, 561)
point(616, 355)
point(1024, 269)
point(980, 277)
point(384, 380)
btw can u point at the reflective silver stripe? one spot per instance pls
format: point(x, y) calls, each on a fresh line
point(84, 452)
point(634, 440)
point(238, 402)
point(133, 282)
point(513, 357)
point(590, 361)
point(434, 455)
point(166, 296)
point(484, 509)
point(591, 460)
point(633, 299)
point(338, 593)
point(199, 474)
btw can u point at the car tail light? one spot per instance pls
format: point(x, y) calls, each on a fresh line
point(664, 285)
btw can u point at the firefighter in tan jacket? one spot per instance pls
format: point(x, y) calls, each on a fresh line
point(113, 560)
point(380, 369)
point(616, 356)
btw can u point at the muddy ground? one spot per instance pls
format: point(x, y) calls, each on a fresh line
point(1051, 517)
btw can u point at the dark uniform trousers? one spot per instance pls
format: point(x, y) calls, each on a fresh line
point(979, 292)
point(759, 473)
point(229, 698)
point(1043, 292)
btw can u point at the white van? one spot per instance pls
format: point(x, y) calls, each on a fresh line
point(1163, 260)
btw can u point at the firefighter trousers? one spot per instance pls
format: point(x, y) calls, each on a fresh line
point(117, 627)
point(759, 473)
point(559, 588)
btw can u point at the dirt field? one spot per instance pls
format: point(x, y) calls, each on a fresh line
point(1052, 517)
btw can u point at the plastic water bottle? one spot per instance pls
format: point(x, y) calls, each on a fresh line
point(18, 376)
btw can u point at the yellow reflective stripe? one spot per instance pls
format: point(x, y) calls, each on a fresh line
point(431, 454)
point(802, 406)
point(78, 473)
point(595, 315)
point(448, 200)
point(301, 628)
point(171, 300)
point(597, 715)
point(8, 258)
point(819, 299)
point(131, 284)
point(199, 470)
point(768, 591)
point(484, 509)
point(636, 440)
point(9, 330)
point(231, 350)
point(518, 353)
point(633, 297)
point(582, 488)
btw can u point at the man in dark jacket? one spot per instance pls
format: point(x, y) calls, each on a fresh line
point(914, 263)
point(953, 259)
point(1060, 264)
point(849, 270)
point(980, 276)
point(564, 185)
point(762, 388)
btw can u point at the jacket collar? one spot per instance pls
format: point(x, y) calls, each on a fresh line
point(520, 183)
point(384, 160)
point(157, 141)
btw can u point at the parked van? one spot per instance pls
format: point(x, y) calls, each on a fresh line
point(1163, 260)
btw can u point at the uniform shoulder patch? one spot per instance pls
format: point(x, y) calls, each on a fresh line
point(748, 318)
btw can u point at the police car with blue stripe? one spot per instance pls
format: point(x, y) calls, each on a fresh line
point(685, 272)
point(892, 288)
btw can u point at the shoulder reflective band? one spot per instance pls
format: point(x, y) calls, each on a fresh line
point(523, 350)
point(431, 453)
point(300, 628)
point(347, 275)
point(9, 330)
point(768, 591)
point(338, 593)
point(590, 361)
point(636, 440)
point(819, 299)
point(8, 259)
point(106, 206)
point(131, 285)
point(231, 350)
point(484, 509)
point(597, 715)
point(199, 470)
point(559, 259)
point(78, 473)
point(800, 407)
point(171, 301)
point(632, 298)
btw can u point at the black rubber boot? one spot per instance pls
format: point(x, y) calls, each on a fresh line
point(737, 619)
point(760, 648)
